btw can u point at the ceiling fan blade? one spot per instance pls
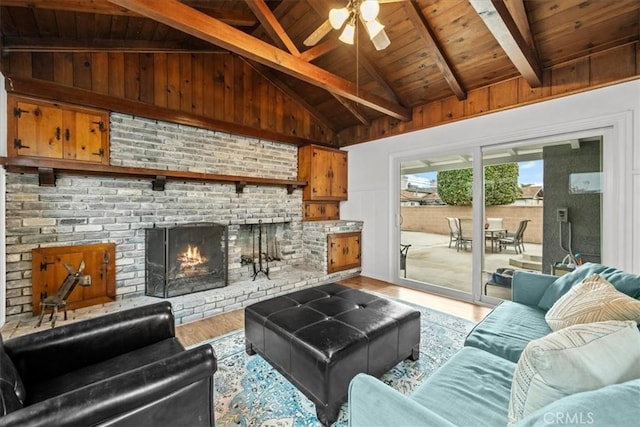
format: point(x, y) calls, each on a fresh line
point(324, 29)
point(390, 1)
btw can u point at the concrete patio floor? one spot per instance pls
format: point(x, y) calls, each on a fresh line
point(430, 260)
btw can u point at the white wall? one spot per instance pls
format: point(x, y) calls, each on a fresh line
point(613, 111)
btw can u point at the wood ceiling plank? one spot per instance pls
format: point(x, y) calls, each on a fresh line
point(426, 34)
point(271, 25)
point(271, 77)
point(497, 18)
point(197, 24)
point(104, 7)
point(36, 44)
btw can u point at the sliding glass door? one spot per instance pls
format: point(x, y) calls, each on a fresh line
point(540, 210)
point(436, 211)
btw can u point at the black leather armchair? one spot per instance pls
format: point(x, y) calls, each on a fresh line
point(121, 369)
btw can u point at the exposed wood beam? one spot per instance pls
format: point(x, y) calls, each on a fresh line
point(60, 93)
point(54, 45)
point(519, 15)
point(353, 109)
point(104, 7)
point(428, 37)
point(272, 26)
point(321, 49)
point(373, 72)
point(268, 74)
point(497, 18)
point(186, 19)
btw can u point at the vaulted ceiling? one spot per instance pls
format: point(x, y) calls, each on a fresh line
point(438, 49)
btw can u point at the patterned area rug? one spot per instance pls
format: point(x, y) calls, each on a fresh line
point(249, 392)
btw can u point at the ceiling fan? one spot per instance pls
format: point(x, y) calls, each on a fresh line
point(366, 11)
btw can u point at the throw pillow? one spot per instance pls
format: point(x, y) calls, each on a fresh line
point(624, 282)
point(593, 300)
point(575, 359)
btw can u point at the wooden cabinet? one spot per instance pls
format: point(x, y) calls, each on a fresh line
point(343, 251)
point(319, 211)
point(325, 170)
point(48, 273)
point(43, 129)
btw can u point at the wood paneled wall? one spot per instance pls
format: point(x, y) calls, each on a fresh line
point(597, 70)
point(217, 86)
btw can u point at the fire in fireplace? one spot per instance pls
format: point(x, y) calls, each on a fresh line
point(185, 258)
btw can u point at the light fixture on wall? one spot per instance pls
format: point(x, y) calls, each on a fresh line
point(365, 10)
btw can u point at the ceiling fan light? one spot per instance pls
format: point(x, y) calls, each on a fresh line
point(374, 27)
point(337, 17)
point(381, 40)
point(348, 33)
point(369, 10)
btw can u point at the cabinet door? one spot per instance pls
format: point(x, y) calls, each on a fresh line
point(48, 273)
point(86, 133)
point(339, 176)
point(318, 211)
point(321, 174)
point(38, 130)
point(343, 251)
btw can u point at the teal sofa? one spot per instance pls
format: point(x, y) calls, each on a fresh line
point(473, 388)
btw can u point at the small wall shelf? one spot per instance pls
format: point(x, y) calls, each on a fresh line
point(47, 169)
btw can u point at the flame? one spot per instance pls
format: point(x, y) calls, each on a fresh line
point(191, 258)
point(193, 254)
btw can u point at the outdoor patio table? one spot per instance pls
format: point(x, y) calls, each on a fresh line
point(493, 234)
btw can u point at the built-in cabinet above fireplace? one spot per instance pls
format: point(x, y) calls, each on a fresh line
point(325, 170)
point(57, 131)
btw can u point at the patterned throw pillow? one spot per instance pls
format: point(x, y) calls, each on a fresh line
point(592, 300)
point(577, 358)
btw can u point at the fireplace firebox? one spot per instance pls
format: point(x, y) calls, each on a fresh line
point(185, 258)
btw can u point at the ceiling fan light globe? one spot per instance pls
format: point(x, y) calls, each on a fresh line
point(348, 34)
point(374, 27)
point(337, 17)
point(369, 10)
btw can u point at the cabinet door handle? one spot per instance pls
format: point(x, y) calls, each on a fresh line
point(17, 112)
point(100, 125)
point(58, 133)
point(67, 134)
point(17, 144)
point(99, 153)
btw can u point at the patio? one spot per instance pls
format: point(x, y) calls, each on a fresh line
point(430, 260)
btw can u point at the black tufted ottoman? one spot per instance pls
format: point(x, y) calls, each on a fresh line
point(320, 338)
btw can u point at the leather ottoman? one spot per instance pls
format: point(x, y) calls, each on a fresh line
point(320, 338)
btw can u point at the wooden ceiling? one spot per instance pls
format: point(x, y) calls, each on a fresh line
point(439, 48)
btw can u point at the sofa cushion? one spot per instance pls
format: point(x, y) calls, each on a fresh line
point(107, 369)
point(507, 330)
point(575, 359)
point(470, 389)
point(592, 300)
point(617, 406)
point(12, 391)
point(624, 282)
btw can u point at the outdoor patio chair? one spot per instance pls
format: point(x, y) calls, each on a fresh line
point(453, 230)
point(515, 239)
point(464, 233)
point(404, 249)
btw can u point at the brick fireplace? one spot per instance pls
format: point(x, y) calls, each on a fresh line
point(95, 209)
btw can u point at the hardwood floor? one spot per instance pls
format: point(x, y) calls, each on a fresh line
point(195, 332)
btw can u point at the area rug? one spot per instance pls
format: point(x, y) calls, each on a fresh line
point(249, 392)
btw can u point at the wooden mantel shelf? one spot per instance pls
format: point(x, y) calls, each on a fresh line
point(47, 169)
